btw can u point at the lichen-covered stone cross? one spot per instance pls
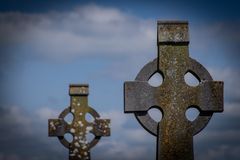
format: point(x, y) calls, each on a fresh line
point(173, 97)
point(79, 148)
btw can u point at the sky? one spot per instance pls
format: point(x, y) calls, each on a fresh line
point(47, 45)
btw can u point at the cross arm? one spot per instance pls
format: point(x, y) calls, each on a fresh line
point(57, 127)
point(101, 127)
point(209, 96)
point(138, 96)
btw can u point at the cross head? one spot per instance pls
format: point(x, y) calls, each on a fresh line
point(80, 127)
point(173, 97)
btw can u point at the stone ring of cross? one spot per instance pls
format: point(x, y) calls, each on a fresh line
point(69, 128)
point(150, 69)
point(80, 127)
point(174, 96)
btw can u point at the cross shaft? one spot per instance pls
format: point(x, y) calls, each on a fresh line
point(173, 97)
point(79, 128)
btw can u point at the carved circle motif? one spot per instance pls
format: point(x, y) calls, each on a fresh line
point(93, 113)
point(144, 118)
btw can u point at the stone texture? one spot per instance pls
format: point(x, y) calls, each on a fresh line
point(79, 148)
point(173, 97)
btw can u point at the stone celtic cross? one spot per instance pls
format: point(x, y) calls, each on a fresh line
point(173, 97)
point(79, 148)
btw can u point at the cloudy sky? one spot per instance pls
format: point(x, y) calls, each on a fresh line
point(45, 46)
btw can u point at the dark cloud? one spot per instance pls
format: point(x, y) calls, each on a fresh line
point(25, 138)
point(216, 43)
point(23, 133)
point(229, 36)
point(81, 32)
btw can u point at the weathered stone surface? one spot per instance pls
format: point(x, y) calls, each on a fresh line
point(173, 97)
point(79, 148)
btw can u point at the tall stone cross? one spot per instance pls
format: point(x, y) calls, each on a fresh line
point(79, 148)
point(173, 97)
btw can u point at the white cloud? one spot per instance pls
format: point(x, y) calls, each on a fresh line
point(87, 30)
point(232, 109)
point(137, 135)
point(121, 150)
point(118, 126)
point(231, 78)
point(127, 142)
point(46, 113)
point(218, 144)
point(118, 119)
point(225, 135)
point(99, 31)
point(15, 113)
point(221, 152)
point(16, 117)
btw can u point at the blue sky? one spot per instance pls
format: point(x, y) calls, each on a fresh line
point(47, 45)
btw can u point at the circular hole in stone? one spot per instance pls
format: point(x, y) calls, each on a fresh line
point(192, 113)
point(68, 118)
point(68, 137)
point(191, 80)
point(89, 117)
point(90, 137)
point(156, 114)
point(156, 79)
